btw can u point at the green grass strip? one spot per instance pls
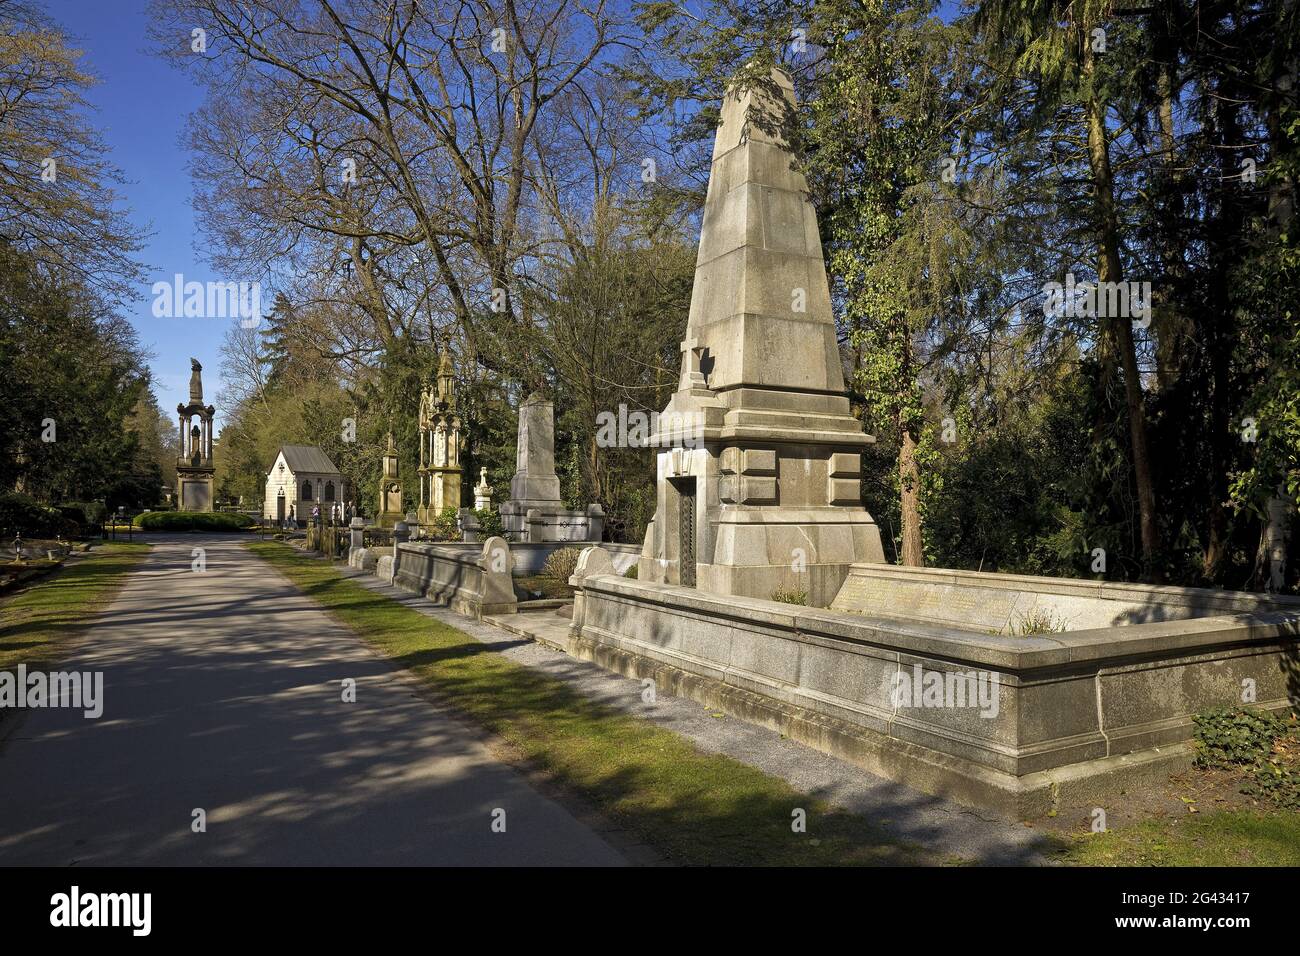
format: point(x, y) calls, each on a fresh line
point(1223, 838)
point(37, 621)
point(693, 807)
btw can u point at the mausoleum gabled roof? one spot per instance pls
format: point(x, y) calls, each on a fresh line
point(305, 458)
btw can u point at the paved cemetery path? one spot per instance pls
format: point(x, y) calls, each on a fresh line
point(222, 691)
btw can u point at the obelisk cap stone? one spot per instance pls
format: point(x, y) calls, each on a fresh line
point(757, 111)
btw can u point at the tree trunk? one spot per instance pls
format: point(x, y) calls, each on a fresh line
point(1168, 327)
point(909, 484)
point(1219, 335)
point(1275, 538)
point(1274, 542)
point(1119, 329)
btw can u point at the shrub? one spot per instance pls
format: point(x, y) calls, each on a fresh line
point(790, 596)
point(93, 510)
point(561, 564)
point(489, 523)
point(74, 513)
point(633, 571)
point(21, 514)
point(1266, 746)
point(192, 521)
point(1235, 736)
point(445, 527)
point(92, 515)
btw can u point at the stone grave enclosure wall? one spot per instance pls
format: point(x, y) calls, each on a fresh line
point(1003, 603)
point(1071, 716)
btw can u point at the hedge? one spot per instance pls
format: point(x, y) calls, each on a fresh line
point(21, 514)
point(192, 521)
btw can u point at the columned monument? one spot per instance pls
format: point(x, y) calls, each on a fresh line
point(194, 467)
point(440, 446)
point(759, 467)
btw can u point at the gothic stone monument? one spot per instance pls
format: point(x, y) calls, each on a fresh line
point(390, 489)
point(760, 462)
point(194, 466)
point(440, 446)
point(535, 511)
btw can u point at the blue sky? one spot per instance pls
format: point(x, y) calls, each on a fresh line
point(141, 107)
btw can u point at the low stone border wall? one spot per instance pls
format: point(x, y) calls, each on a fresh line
point(1041, 720)
point(470, 579)
point(529, 557)
point(993, 602)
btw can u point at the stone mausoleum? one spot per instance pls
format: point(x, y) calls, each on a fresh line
point(195, 471)
point(299, 476)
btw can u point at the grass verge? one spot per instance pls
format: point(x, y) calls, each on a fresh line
point(693, 807)
point(36, 622)
point(1223, 838)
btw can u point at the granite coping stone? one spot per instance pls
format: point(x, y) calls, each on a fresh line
point(998, 652)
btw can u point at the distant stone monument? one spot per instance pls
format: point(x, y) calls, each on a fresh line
point(195, 470)
point(535, 511)
point(390, 489)
point(759, 466)
point(482, 492)
point(440, 446)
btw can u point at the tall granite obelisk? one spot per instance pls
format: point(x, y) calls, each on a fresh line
point(759, 467)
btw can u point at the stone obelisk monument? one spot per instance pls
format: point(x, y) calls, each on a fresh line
point(535, 511)
point(759, 466)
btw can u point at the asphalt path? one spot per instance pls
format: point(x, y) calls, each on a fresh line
point(223, 692)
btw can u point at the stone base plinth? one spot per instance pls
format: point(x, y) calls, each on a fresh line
point(757, 554)
point(195, 491)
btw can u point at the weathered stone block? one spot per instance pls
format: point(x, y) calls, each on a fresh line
point(759, 461)
point(844, 491)
point(758, 491)
point(844, 464)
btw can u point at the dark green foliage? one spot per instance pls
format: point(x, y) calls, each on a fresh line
point(192, 521)
point(93, 512)
point(445, 526)
point(70, 379)
point(1261, 743)
point(489, 523)
point(1235, 736)
point(21, 514)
